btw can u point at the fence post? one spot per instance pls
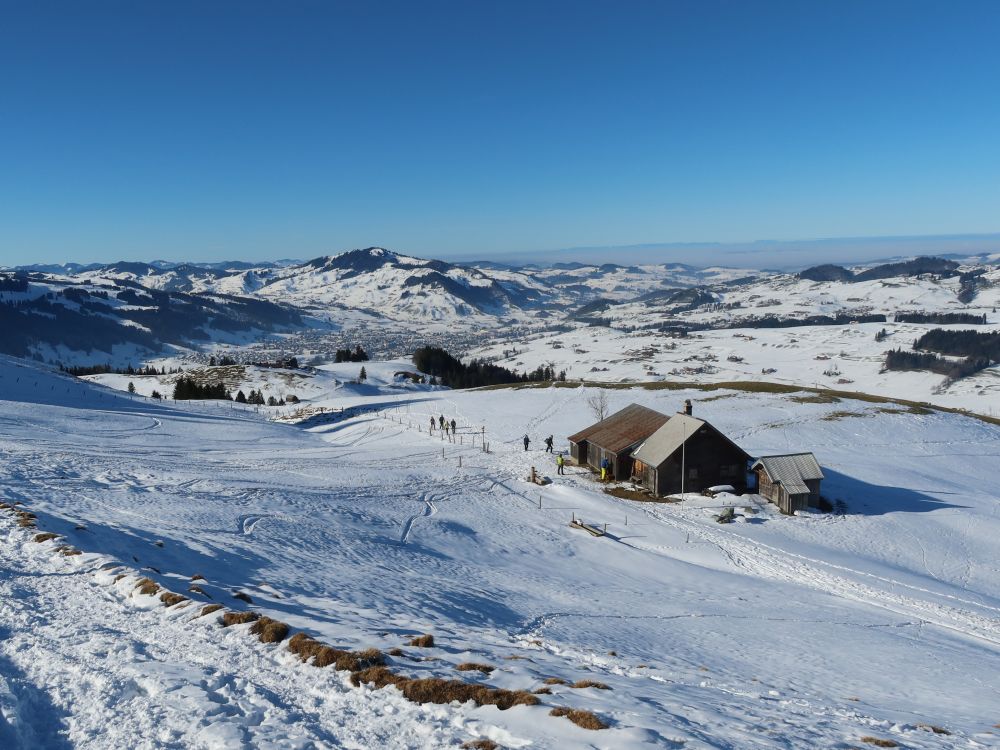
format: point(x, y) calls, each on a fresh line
point(460, 462)
point(442, 453)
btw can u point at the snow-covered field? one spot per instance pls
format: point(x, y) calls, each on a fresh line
point(773, 632)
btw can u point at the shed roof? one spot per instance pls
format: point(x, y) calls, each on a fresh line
point(792, 470)
point(627, 427)
point(661, 445)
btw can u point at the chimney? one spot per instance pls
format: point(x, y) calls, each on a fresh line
point(687, 407)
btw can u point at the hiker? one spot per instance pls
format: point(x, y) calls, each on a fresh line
point(560, 463)
point(605, 465)
point(441, 421)
point(548, 444)
point(432, 424)
point(526, 441)
point(454, 427)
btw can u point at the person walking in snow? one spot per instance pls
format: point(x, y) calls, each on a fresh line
point(548, 444)
point(526, 441)
point(454, 427)
point(441, 421)
point(560, 463)
point(432, 424)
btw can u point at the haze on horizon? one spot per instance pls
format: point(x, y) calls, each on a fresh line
point(668, 131)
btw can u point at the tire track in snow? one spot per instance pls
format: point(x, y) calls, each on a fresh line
point(429, 510)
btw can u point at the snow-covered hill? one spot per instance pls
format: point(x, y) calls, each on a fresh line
point(363, 530)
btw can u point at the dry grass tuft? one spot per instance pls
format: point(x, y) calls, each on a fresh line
point(25, 520)
point(322, 655)
point(556, 681)
point(584, 719)
point(542, 691)
point(67, 551)
point(44, 537)
point(118, 577)
point(238, 618)
point(147, 586)
point(198, 577)
point(439, 691)
point(471, 666)
point(396, 652)
point(483, 744)
point(879, 742)
point(169, 598)
point(269, 631)
point(209, 609)
point(422, 641)
point(516, 657)
point(933, 728)
point(590, 684)
point(198, 590)
point(243, 597)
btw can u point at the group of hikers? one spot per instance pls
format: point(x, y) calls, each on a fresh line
point(560, 461)
point(444, 425)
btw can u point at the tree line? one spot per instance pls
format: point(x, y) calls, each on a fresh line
point(452, 372)
point(941, 318)
point(346, 355)
point(80, 370)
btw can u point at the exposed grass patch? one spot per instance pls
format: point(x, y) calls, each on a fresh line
point(269, 631)
point(422, 641)
point(516, 657)
point(397, 651)
point(67, 551)
point(471, 666)
point(243, 597)
point(198, 590)
point(542, 691)
point(555, 681)
point(45, 536)
point(209, 609)
point(933, 728)
point(626, 493)
point(833, 416)
point(590, 684)
point(440, 691)
point(584, 719)
point(238, 618)
point(118, 577)
point(483, 744)
point(814, 398)
point(879, 742)
point(147, 586)
point(198, 577)
point(322, 655)
point(169, 598)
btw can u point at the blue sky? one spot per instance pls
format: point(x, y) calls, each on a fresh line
point(210, 130)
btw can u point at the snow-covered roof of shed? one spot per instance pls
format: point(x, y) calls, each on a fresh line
point(659, 446)
point(793, 470)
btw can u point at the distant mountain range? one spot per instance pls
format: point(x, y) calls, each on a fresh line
point(108, 309)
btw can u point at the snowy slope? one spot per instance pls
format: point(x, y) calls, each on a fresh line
point(775, 632)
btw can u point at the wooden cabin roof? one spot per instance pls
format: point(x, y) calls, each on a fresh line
point(791, 470)
point(622, 429)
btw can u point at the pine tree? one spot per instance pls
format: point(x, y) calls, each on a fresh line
point(363, 376)
point(131, 387)
point(241, 397)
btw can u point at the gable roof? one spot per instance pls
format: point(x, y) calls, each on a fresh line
point(627, 427)
point(792, 470)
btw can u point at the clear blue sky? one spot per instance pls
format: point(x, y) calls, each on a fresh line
point(209, 130)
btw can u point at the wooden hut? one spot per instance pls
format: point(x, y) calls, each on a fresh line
point(615, 438)
point(691, 449)
point(790, 481)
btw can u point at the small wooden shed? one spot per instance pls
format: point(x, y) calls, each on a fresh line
point(689, 448)
point(615, 438)
point(790, 481)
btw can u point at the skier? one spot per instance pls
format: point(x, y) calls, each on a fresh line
point(560, 463)
point(548, 444)
point(454, 426)
point(526, 441)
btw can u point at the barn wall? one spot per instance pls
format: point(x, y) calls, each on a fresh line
point(709, 459)
point(813, 485)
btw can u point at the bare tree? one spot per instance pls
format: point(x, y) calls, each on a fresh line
point(598, 404)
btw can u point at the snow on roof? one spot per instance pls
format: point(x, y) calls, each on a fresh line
point(622, 429)
point(792, 470)
point(659, 446)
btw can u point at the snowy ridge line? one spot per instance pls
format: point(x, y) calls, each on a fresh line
point(366, 668)
point(770, 562)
